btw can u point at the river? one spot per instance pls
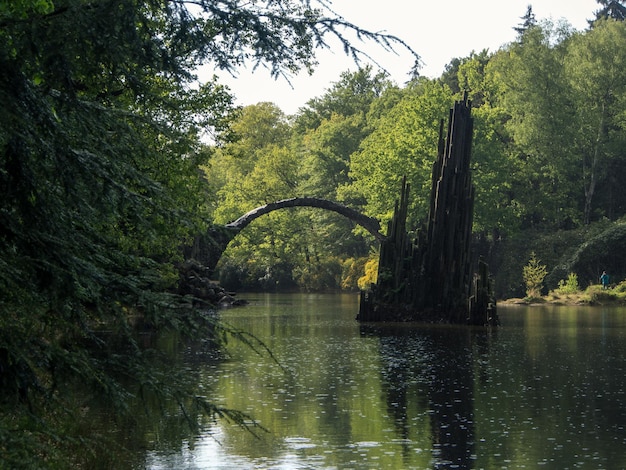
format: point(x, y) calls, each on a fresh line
point(544, 390)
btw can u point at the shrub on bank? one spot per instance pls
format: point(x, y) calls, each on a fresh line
point(569, 286)
point(594, 294)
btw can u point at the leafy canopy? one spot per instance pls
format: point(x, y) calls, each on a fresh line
point(100, 146)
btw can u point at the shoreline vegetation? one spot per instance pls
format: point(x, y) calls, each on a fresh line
point(594, 295)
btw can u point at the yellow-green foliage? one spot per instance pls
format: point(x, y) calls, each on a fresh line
point(534, 273)
point(596, 294)
point(351, 270)
point(569, 286)
point(371, 274)
point(618, 292)
point(620, 288)
point(322, 275)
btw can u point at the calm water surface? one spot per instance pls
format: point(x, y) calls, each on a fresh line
point(545, 390)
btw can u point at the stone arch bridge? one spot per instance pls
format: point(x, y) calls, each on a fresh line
point(208, 249)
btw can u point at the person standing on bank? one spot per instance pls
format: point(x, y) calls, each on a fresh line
point(604, 279)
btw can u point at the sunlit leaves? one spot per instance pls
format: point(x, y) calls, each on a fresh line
point(403, 143)
point(493, 173)
point(21, 9)
point(100, 144)
point(595, 67)
point(528, 83)
point(327, 151)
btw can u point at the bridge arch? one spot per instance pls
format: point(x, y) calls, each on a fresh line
point(370, 224)
point(208, 249)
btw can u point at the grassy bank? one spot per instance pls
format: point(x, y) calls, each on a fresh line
point(592, 295)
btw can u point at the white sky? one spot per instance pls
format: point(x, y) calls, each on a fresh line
point(437, 30)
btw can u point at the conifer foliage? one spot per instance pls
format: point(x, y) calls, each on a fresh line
point(611, 9)
point(99, 154)
point(534, 273)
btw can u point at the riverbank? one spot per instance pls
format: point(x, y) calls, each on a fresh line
point(592, 296)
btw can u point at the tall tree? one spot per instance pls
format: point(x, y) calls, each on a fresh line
point(532, 88)
point(493, 169)
point(351, 95)
point(528, 21)
point(597, 78)
point(610, 9)
point(99, 152)
point(471, 74)
point(341, 118)
point(331, 127)
point(403, 143)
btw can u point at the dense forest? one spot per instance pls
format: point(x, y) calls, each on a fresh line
point(113, 160)
point(548, 162)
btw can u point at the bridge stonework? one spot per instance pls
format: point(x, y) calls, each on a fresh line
point(208, 248)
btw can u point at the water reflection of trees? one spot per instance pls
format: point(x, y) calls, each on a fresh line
point(151, 421)
point(429, 371)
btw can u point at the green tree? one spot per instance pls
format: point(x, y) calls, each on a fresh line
point(529, 84)
point(351, 95)
point(326, 153)
point(597, 80)
point(569, 286)
point(297, 246)
point(255, 169)
point(493, 173)
point(316, 153)
point(534, 273)
point(471, 75)
point(330, 128)
point(328, 131)
point(99, 153)
point(260, 136)
point(528, 21)
point(450, 75)
point(342, 118)
point(403, 143)
point(98, 167)
point(493, 168)
point(610, 9)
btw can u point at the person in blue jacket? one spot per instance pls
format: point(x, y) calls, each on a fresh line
point(604, 279)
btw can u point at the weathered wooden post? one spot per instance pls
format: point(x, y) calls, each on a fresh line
point(431, 278)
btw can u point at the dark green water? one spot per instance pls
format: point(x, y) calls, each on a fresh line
point(545, 390)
